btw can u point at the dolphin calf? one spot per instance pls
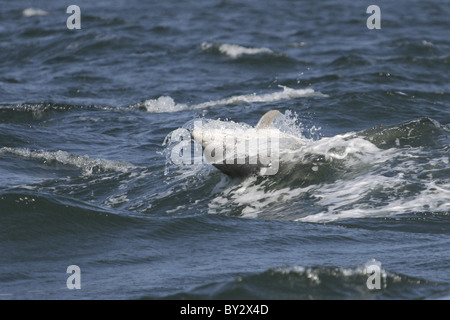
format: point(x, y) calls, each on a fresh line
point(239, 152)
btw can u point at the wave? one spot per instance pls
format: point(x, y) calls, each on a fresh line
point(303, 282)
point(35, 110)
point(304, 174)
point(38, 111)
point(235, 51)
point(160, 105)
point(88, 165)
point(347, 177)
point(36, 215)
point(167, 104)
point(379, 172)
point(31, 12)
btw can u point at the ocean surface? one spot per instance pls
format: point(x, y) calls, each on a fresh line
point(87, 178)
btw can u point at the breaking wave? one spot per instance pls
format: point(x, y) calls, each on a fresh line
point(235, 51)
point(87, 165)
point(311, 283)
point(167, 104)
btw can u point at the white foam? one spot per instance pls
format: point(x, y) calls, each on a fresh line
point(252, 197)
point(426, 43)
point(82, 162)
point(30, 12)
point(163, 104)
point(167, 104)
point(314, 274)
point(286, 94)
point(345, 146)
point(425, 201)
point(116, 200)
point(354, 198)
point(235, 51)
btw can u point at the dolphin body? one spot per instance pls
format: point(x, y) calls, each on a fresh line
point(220, 147)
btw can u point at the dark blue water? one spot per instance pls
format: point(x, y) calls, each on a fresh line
point(86, 180)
